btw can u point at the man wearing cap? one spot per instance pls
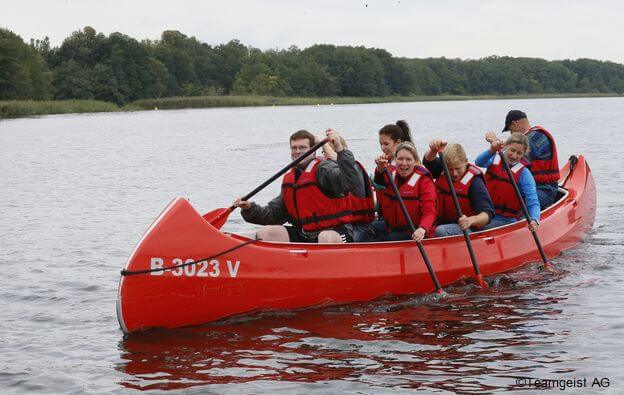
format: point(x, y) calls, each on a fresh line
point(542, 155)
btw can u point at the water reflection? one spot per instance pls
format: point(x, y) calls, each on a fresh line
point(472, 340)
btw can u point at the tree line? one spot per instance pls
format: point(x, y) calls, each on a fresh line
point(120, 69)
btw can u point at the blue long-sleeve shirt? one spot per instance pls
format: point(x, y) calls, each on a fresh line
point(526, 184)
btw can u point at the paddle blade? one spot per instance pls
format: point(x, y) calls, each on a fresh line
point(550, 268)
point(481, 282)
point(218, 217)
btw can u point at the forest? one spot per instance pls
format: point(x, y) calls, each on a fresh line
point(120, 69)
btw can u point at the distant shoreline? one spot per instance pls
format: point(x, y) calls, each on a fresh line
point(29, 108)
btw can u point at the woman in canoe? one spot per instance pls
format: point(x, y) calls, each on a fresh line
point(469, 184)
point(417, 190)
point(500, 188)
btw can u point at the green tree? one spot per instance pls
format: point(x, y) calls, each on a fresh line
point(72, 81)
point(23, 72)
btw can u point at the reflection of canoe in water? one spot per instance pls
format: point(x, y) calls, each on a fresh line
point(269, 276)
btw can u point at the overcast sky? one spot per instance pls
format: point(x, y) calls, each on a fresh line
point(550, 29)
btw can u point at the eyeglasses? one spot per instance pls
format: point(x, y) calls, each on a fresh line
point(296, 148)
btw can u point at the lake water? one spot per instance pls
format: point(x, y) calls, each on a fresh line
point(78, 191)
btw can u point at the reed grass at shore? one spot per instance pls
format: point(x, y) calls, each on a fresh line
point(16, 108)
point(247, 101)
point(26, 108)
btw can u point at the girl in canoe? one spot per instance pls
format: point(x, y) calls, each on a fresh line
point(476, 206)
point(417, 190)
point(506, 204)
point(390, 136)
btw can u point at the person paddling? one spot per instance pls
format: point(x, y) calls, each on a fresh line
point(313, 197)
point(390, 136)
point(474, 200)
point(416, 187)
point(542, 155)
point(506, 205)
point(361, 200)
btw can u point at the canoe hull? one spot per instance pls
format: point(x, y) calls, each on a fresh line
point(276, 276)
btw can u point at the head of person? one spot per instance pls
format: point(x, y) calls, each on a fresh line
point(328, 150)
point(390, 136)
point(456, 161)
point(516, 146)
point(516, 121)
point(300, 142)
point(406, 158)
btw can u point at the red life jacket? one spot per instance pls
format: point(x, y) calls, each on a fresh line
point(545, 171)
point(409, 191)
point(363, 208)
point(500, 188)
point(379, 193)
point(446, 207)
point(309, 207)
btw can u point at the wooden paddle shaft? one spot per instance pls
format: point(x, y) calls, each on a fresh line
point(449, 181)
point(284, 170)
point(523, 205)
point(421, 248)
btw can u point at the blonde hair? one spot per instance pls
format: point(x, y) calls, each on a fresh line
point(455, 153)
point(519, 138)
point(406, 145)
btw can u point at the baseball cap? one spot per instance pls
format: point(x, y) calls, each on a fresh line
point(513, 115)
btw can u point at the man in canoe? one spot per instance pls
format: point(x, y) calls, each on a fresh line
point(542, 155)
point(314, 197)
point(474, 199)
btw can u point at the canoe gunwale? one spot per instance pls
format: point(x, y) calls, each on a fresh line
point(545, 214)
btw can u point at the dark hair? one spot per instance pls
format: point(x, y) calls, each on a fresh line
point(303, 134)
point(398, 131)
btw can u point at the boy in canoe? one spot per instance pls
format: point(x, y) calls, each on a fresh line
point(542, 155)
point(314, 197)
point(500, 188)
point(472, 194)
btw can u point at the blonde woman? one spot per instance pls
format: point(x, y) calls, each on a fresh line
point(506, 204)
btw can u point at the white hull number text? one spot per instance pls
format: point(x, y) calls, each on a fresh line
point(212, 268)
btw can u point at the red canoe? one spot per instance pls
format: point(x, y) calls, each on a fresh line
point(256, 275)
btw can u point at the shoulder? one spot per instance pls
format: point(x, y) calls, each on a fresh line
point(474, 169)
point(539, 136)
point(478, 184)
point(347, 155)
point(527, 176)
point(422, 171)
